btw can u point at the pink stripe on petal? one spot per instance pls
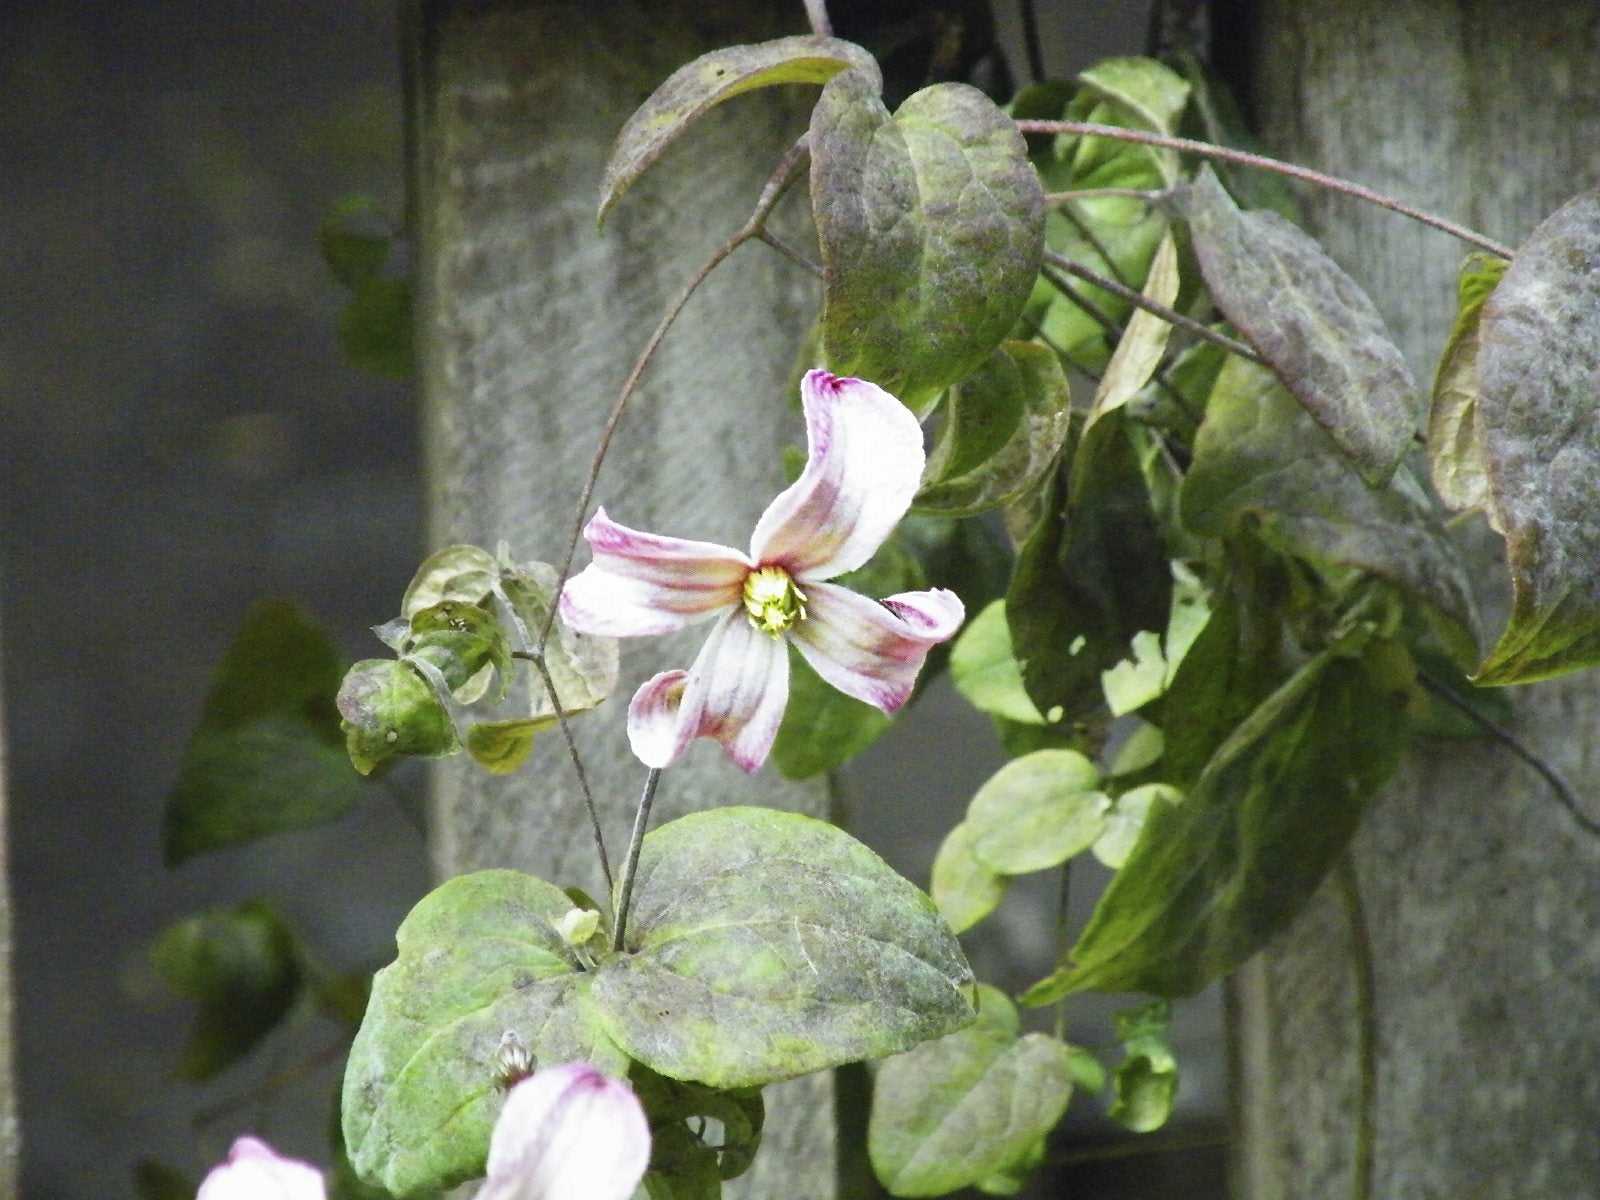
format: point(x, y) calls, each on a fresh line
point(865, 463)
point(657, 731)
point(641, 584)
point(735, 692)
point(873, 650)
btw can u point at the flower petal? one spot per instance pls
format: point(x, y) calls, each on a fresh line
point(642, 583)
point(568, 1133)
point(735, 692)
point(255, 1171)
point(864, 467)
point(873, 650)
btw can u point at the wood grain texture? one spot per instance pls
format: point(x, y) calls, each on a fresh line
point(1482, 896)
point(10, 1124)
point(529, 320)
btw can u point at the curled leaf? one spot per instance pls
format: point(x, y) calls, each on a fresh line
point(695, 88)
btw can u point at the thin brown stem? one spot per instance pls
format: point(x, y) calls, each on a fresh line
point(1139, 300)
point(641, 822)
point(784, 174)
point(789, 252)
point(1262, 163)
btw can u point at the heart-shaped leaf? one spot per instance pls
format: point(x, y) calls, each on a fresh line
point(931, 225)
point(763, 945)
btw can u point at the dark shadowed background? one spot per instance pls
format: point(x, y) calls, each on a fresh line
point(180, 436)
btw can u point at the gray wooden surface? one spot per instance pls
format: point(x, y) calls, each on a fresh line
point(530, 321)
point(1482, 896)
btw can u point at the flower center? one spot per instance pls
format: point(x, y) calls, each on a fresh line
point(772, 601)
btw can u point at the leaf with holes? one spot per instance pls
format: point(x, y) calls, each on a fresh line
point(1320, 332)
point(1538, 367)
point(695, 88)
point(931, 224)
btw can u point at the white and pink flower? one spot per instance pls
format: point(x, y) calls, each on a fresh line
point(568, 1133)
point(863, 469)
point(253, 1170)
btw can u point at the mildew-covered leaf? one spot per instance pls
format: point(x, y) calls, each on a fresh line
point(1144, 341)
point(462, 573)
point(479, 956)
point(931, 225)
point(466, 644)
point(1539, 422)
point(696, 87)
point(1259, 453)
point(763, 945)
point(389, 709)
point(1455, 446)
point(1320, 332)
point(1004, 426)
point(1037, 812)
point(969, 1106)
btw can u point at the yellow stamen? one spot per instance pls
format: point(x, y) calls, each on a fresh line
point(771, 600)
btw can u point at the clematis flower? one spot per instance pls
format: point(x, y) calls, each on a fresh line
point(568, 1133)
point(255, 1171)
point(865, 462)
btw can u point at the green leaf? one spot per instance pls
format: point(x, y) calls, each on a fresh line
point(695, 88)
point(964, 890)
point(462, 573)
point(1538, 359)
point(266, 756)
point(1144, 341)
point(583, 668)
point(1153, 94)
point(1092, 574)
point(1132, 683)
point(1147, 1080)
point(500, 747)
point(1444, 720)
point(1126, 820)
point(354, 242)
point(969, 1106)
point(388, 710)
point(1258, 453)
point(375, 329)
point(1319, 331)
point(1212, 879)
point(478, 956)
point(1004, 426)
point(463, 642)
point(682, 1167)
point(764, 945)
point(986, 672)
point(1455, 446)
point(242, 967)
point(931, 225)
point(1222, 123)
point(1037, 812)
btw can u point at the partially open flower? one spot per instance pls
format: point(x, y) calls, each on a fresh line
point(255, 1171)
point(568, 1133)
point(864, 467)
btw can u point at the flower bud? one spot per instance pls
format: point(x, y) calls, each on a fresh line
point(568, 1133)
point(255, 1171)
